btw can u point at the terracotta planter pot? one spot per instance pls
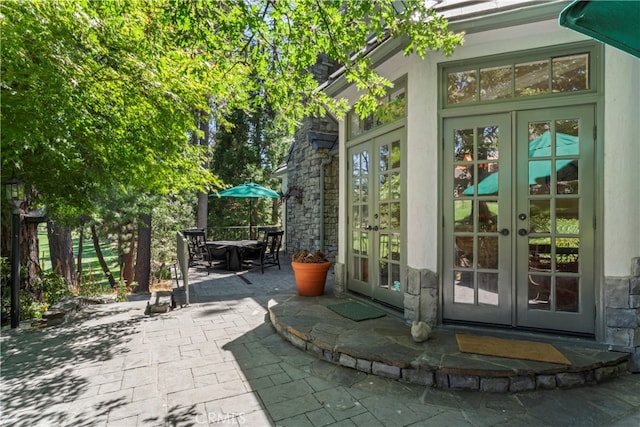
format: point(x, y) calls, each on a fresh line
point(310, 277)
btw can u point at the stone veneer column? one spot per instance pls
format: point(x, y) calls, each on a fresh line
point(421, 296)
point(622, 313)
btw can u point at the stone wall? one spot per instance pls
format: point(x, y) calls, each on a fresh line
point(310, 159)
point(421, 296)
point(622, 313)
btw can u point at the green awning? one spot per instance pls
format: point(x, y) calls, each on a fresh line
point(612, 22)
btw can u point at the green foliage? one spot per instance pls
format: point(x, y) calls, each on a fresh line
point(122, 291)
point(99, 97)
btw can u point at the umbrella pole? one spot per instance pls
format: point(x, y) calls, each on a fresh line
point(250, 208)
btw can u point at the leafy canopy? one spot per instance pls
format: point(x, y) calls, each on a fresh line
point(101, 96)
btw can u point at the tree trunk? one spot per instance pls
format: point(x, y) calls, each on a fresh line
point(80, 250)
point(143, 256)
point(103, 263)
point(61, 250)
point(203, 200)
point(29, 252)
point(127, 256)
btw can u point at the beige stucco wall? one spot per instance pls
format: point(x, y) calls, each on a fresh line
point(621, 194)
point(621, 141)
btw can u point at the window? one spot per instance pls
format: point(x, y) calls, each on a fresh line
point(547, 75)
point(390, 108)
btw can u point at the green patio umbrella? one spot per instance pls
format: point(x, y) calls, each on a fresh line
point(611, 22)
point(566, 145)
point(250, 190)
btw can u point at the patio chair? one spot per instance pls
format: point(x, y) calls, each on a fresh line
point(273, 240)
point(252, 256)
point(197, 245)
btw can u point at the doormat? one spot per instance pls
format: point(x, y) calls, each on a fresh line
point(356, 311)
point(512, 349)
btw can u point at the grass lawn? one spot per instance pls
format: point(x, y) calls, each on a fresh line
point(90, 264)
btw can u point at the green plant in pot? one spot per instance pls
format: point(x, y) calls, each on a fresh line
point(310, 271)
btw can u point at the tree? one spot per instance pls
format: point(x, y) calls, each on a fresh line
point(98, 95)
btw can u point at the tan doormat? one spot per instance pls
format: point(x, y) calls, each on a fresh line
point(513, 349)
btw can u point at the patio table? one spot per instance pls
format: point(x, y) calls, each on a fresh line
point(235, 248)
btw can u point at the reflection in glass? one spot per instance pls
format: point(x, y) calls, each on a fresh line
point(570, 73)
point(395, 247)
point(356, 217)
point(568, 254)
point(568, 127)
point(395, 185)
point(395, 278)
point(488, 288)
point(383, 240)
point(395, 216)
point(356, 242)
point(383, 188)
point(464, 251)
point(540, 216)
point(463, 145)
point(539, 179)
point(462, 87)
point(488, 215)
point(463, 291)
point(532, 78)
point(567, 176)
point(539, 292)
point(488, 138)
point(364, 269)
point(384, 216)
point(495, 83)
point(568, 216)
point(488, 252)
point(463, 179)
point(395, 154)
point(540, 254)
point(568, 294)
point(384, 274)
point(356, 190)
point(365, 190)
point(384, 158)
point(364, 245)
point(462, 215)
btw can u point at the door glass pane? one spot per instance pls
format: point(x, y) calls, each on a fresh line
point(383, 241)
point(540, 254)
point(464, 251)
point(395, 154)
point(355, 242)
point(488, 215)
point(567, 294)
point(384, 275)
point(384, 216)
point(383, 190)
point(463, 291)
point(539, 178)
point(532, 78)
point(488, 143)
point(567, 176)
point(395, 277)
point(462, 215)
point(384, 158)
point(488, 288)
point(395, 185)
point(461, 87)
point(487, 252)
point(571, 73)
point(395, 247)
point(568, 254)
point(567, 216)
point(540, 216)
point(463, 145)
point(539, 292)
point(495, 83)
point(364, 270)
point(395, 216)
point(364, 243)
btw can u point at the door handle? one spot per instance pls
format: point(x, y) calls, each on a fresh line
point(368, 228)
point(523, 232)
point(375, 228)
point(504, 231)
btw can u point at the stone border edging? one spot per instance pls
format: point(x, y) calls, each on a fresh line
point(471, 379)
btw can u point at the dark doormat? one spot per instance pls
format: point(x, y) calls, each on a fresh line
point(356, 311)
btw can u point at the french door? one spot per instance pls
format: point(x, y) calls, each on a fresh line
point(375, 214)
point(519, 219)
